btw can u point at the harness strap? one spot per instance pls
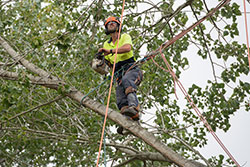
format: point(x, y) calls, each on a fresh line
point(123, 71)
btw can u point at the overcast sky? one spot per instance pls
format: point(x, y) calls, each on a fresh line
point(237, 139)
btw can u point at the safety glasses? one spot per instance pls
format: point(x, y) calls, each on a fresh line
point(112, 22)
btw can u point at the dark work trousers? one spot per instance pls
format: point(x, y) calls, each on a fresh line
point(131, 79)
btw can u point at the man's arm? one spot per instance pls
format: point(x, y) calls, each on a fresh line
point(123, 49)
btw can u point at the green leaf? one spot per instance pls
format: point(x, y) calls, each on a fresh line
point(225, 33)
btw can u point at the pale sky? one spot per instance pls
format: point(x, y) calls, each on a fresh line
point(238, 137)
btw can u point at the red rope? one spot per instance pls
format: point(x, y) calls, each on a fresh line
point(171, 41)
point(203, 119)
point(110, 87)
point(245, 13)
point(170, 70)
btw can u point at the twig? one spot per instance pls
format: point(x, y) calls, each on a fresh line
point(191, 148)
point(205, 43)
point(34, 108)
point(126, 162)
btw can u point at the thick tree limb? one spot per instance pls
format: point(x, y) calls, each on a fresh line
point(34, 80)
point(23, 61)
point(6, 64)
point(99, 108)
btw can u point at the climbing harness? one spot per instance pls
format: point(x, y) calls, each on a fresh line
point(99, 64)
point(124, 69)
point(106, 78)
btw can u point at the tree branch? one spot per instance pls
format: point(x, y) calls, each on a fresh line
point(34, 80)
point(144, 155)
point(23, 61)
point(169, 16)
point(34, 108)
point(190, 148)
point(126, 162)
point(205, 43)
point(6, 64)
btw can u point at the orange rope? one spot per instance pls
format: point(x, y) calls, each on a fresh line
point(173, 74)
point(245, 13)
point(202, 118)
point(110, 87)
point(184, 32)
point(170, 70)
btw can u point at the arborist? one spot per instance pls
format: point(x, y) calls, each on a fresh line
point(128, 78)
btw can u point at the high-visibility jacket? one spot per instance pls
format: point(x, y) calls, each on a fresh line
point(124, 58)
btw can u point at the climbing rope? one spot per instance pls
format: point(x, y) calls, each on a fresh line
point(111, 83)
point(245, 13)
point(184, 32)
point(202, 118)
point(166, 71)
point(104, 142)
point(84, 97)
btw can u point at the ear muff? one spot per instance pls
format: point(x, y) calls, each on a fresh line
point(115, 19)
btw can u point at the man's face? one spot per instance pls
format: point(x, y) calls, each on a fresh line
point(112, 26)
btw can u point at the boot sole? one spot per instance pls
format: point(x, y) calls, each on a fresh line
point(131, 115)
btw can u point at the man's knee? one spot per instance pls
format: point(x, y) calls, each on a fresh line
point(129, 89)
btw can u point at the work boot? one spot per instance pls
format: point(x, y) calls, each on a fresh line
point(120, 130)
point(131, 112)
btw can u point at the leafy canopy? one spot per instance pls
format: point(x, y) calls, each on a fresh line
point(63, 37)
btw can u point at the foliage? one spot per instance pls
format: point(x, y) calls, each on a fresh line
point(63, 37)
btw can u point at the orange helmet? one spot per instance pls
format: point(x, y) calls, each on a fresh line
point(112, 18)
